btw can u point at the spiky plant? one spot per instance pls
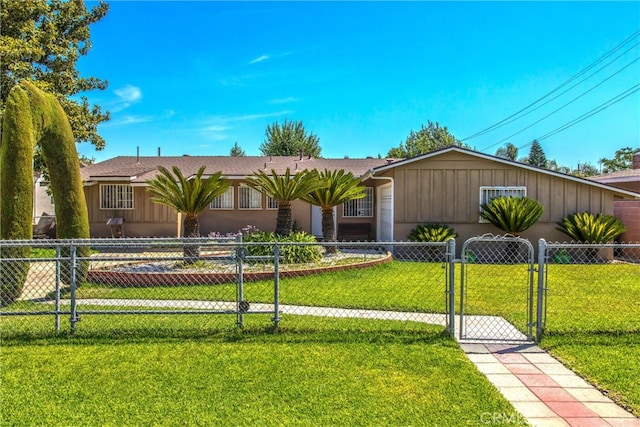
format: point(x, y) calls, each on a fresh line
point(338, 187)
point(513, 215)
point(432, 233)
point(586, 227)
point(188, 197)
point(285, 188)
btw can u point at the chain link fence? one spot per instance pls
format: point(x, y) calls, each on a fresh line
point(590, 288)
point(202, 286)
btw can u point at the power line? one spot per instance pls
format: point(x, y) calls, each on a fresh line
point(619, 97)
point(563, 106)
point(602, 58)
point(567, 90)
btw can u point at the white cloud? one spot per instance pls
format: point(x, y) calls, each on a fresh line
point(286, 100)
point(259, 59)
point(216, 127)
point(129, 93)
point(127, 96)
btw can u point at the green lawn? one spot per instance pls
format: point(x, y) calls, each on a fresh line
point(341, 372)
point(593, 319)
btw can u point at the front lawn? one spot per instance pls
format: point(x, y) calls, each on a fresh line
point(341, 372)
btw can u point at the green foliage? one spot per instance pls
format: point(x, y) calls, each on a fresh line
point(513, 215)
point(588, 228)
point(427, 139)
point(289, 139)
point(432, 233)
point(236, 151)
point(622, 160)
point(537, 156)
point(285, 188)
point(41, 41)
point(338, 187)
point(509, 151)
point(291, 254)
point(186, 196)
point(33, 117)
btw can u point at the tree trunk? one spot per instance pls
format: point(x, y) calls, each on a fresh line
point(283, 224)
point(328, 229)
point(191, 229)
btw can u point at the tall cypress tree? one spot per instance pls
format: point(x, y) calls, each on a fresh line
point(537, 156)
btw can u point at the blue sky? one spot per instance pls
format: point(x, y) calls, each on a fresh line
point(195, 77)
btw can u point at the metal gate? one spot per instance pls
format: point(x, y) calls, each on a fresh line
point(497, 289)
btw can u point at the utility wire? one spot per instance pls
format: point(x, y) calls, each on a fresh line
point(602, 58)
point(565, 105)
point(599, 108)
point(566, 90)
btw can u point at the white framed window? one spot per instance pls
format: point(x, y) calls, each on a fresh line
point(488, 193)
point(359, 207)
point(223, 201)
point(116, 196)
point(249, 198)
point(272, 203)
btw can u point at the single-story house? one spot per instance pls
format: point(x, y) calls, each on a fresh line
point(628, 211)
point(445, 186)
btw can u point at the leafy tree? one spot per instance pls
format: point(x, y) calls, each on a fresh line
point(554, 166)
point(188, 197)
point(338, 187)
point(536, 155)
point(623, 159)
point(285, 189)
point(41, 40)
point(513, 215)
point(585, 169)
point(236, 151)
point(509, 151)
point(427, 139)
point(289, 139)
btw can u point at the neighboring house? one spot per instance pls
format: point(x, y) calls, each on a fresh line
point(445, 186)
point(42, 201)
point(626, 210)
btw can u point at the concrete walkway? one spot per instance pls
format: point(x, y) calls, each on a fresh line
point(545, 392)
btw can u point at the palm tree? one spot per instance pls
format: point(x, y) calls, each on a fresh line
point(338, 187)
point(285, 189)
point(188, 197)
point(513, 215)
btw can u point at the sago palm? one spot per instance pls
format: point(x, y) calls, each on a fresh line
point(187, 196)
point(588, 228)
point(513, 215)
point(338, 187)
point(284, 189)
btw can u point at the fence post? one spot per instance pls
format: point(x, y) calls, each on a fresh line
point(451, 255)
point(58, 261)
point(276, 285)
point(72, 272)
point(240, 281)
point(542, 253)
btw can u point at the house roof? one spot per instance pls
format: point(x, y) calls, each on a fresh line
point(378, 169)
point(628, 175)
point(137, 169)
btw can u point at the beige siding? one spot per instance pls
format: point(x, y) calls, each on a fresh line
point(447, 189)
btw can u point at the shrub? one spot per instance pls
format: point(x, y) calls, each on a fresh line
point(290, 254)
point(512, 215)
point(588, 228)
point(432, 233)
